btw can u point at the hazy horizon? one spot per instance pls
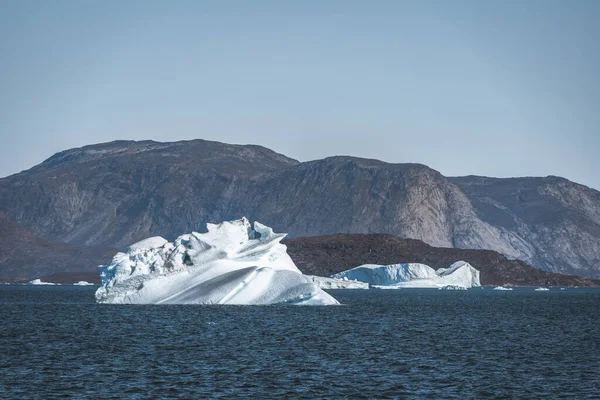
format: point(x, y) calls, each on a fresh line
point(499, 89)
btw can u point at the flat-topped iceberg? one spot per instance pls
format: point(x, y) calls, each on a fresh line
point(83, 283)
point(233, 263)
point(413, 275)
point(40, 282)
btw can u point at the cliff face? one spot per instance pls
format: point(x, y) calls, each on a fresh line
point(558, 220)
point(114, 194)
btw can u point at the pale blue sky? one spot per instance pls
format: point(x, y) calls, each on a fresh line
point(499, 88)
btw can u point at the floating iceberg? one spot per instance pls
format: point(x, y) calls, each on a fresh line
point(333, 283)
point(39, 282)
point(413, 275)
point(502, 288)
point(542, 289)
point(83, 283)
point(232, 263)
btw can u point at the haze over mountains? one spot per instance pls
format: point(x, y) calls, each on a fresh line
point(113, 194)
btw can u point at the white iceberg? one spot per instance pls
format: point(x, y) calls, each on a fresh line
point(83, 283)
point(333, 283)
point(502, 288)
point(232, 263)
point(39, 282)
point(542, 289)
point(413, 275)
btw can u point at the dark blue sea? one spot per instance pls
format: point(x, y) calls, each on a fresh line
point(55, 342)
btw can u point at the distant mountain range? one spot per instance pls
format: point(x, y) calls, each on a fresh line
point(110, 195)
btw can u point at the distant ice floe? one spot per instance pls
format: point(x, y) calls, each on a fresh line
point(502, 288)
point(233, 263)
point(413, 275)
point(542, 289)
point(39, 282)
point(83, 283)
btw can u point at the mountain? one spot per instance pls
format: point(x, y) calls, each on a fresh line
point(114, 194)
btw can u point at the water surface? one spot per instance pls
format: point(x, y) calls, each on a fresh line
point(57, 343)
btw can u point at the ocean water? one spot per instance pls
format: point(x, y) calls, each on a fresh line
point(55, 342)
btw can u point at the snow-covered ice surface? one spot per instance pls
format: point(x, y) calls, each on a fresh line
point(233, 263)
point(413, 275)
point(333, 283)
point(39, 282)
point(502, 288)
point(83, 283)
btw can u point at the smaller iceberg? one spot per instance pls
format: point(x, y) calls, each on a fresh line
point(83, 283)
point(502, 288)
point(39, 282)
point(413, 275)
point(542, 289)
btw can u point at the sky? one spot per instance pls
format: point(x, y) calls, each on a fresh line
point(497, 88)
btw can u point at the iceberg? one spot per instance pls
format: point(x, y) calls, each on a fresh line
point(232, 263)
point(413, 275)
point(83, 283)
point(333, 283)
point(40, 282)
point(502, 288)
point(542, 289)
